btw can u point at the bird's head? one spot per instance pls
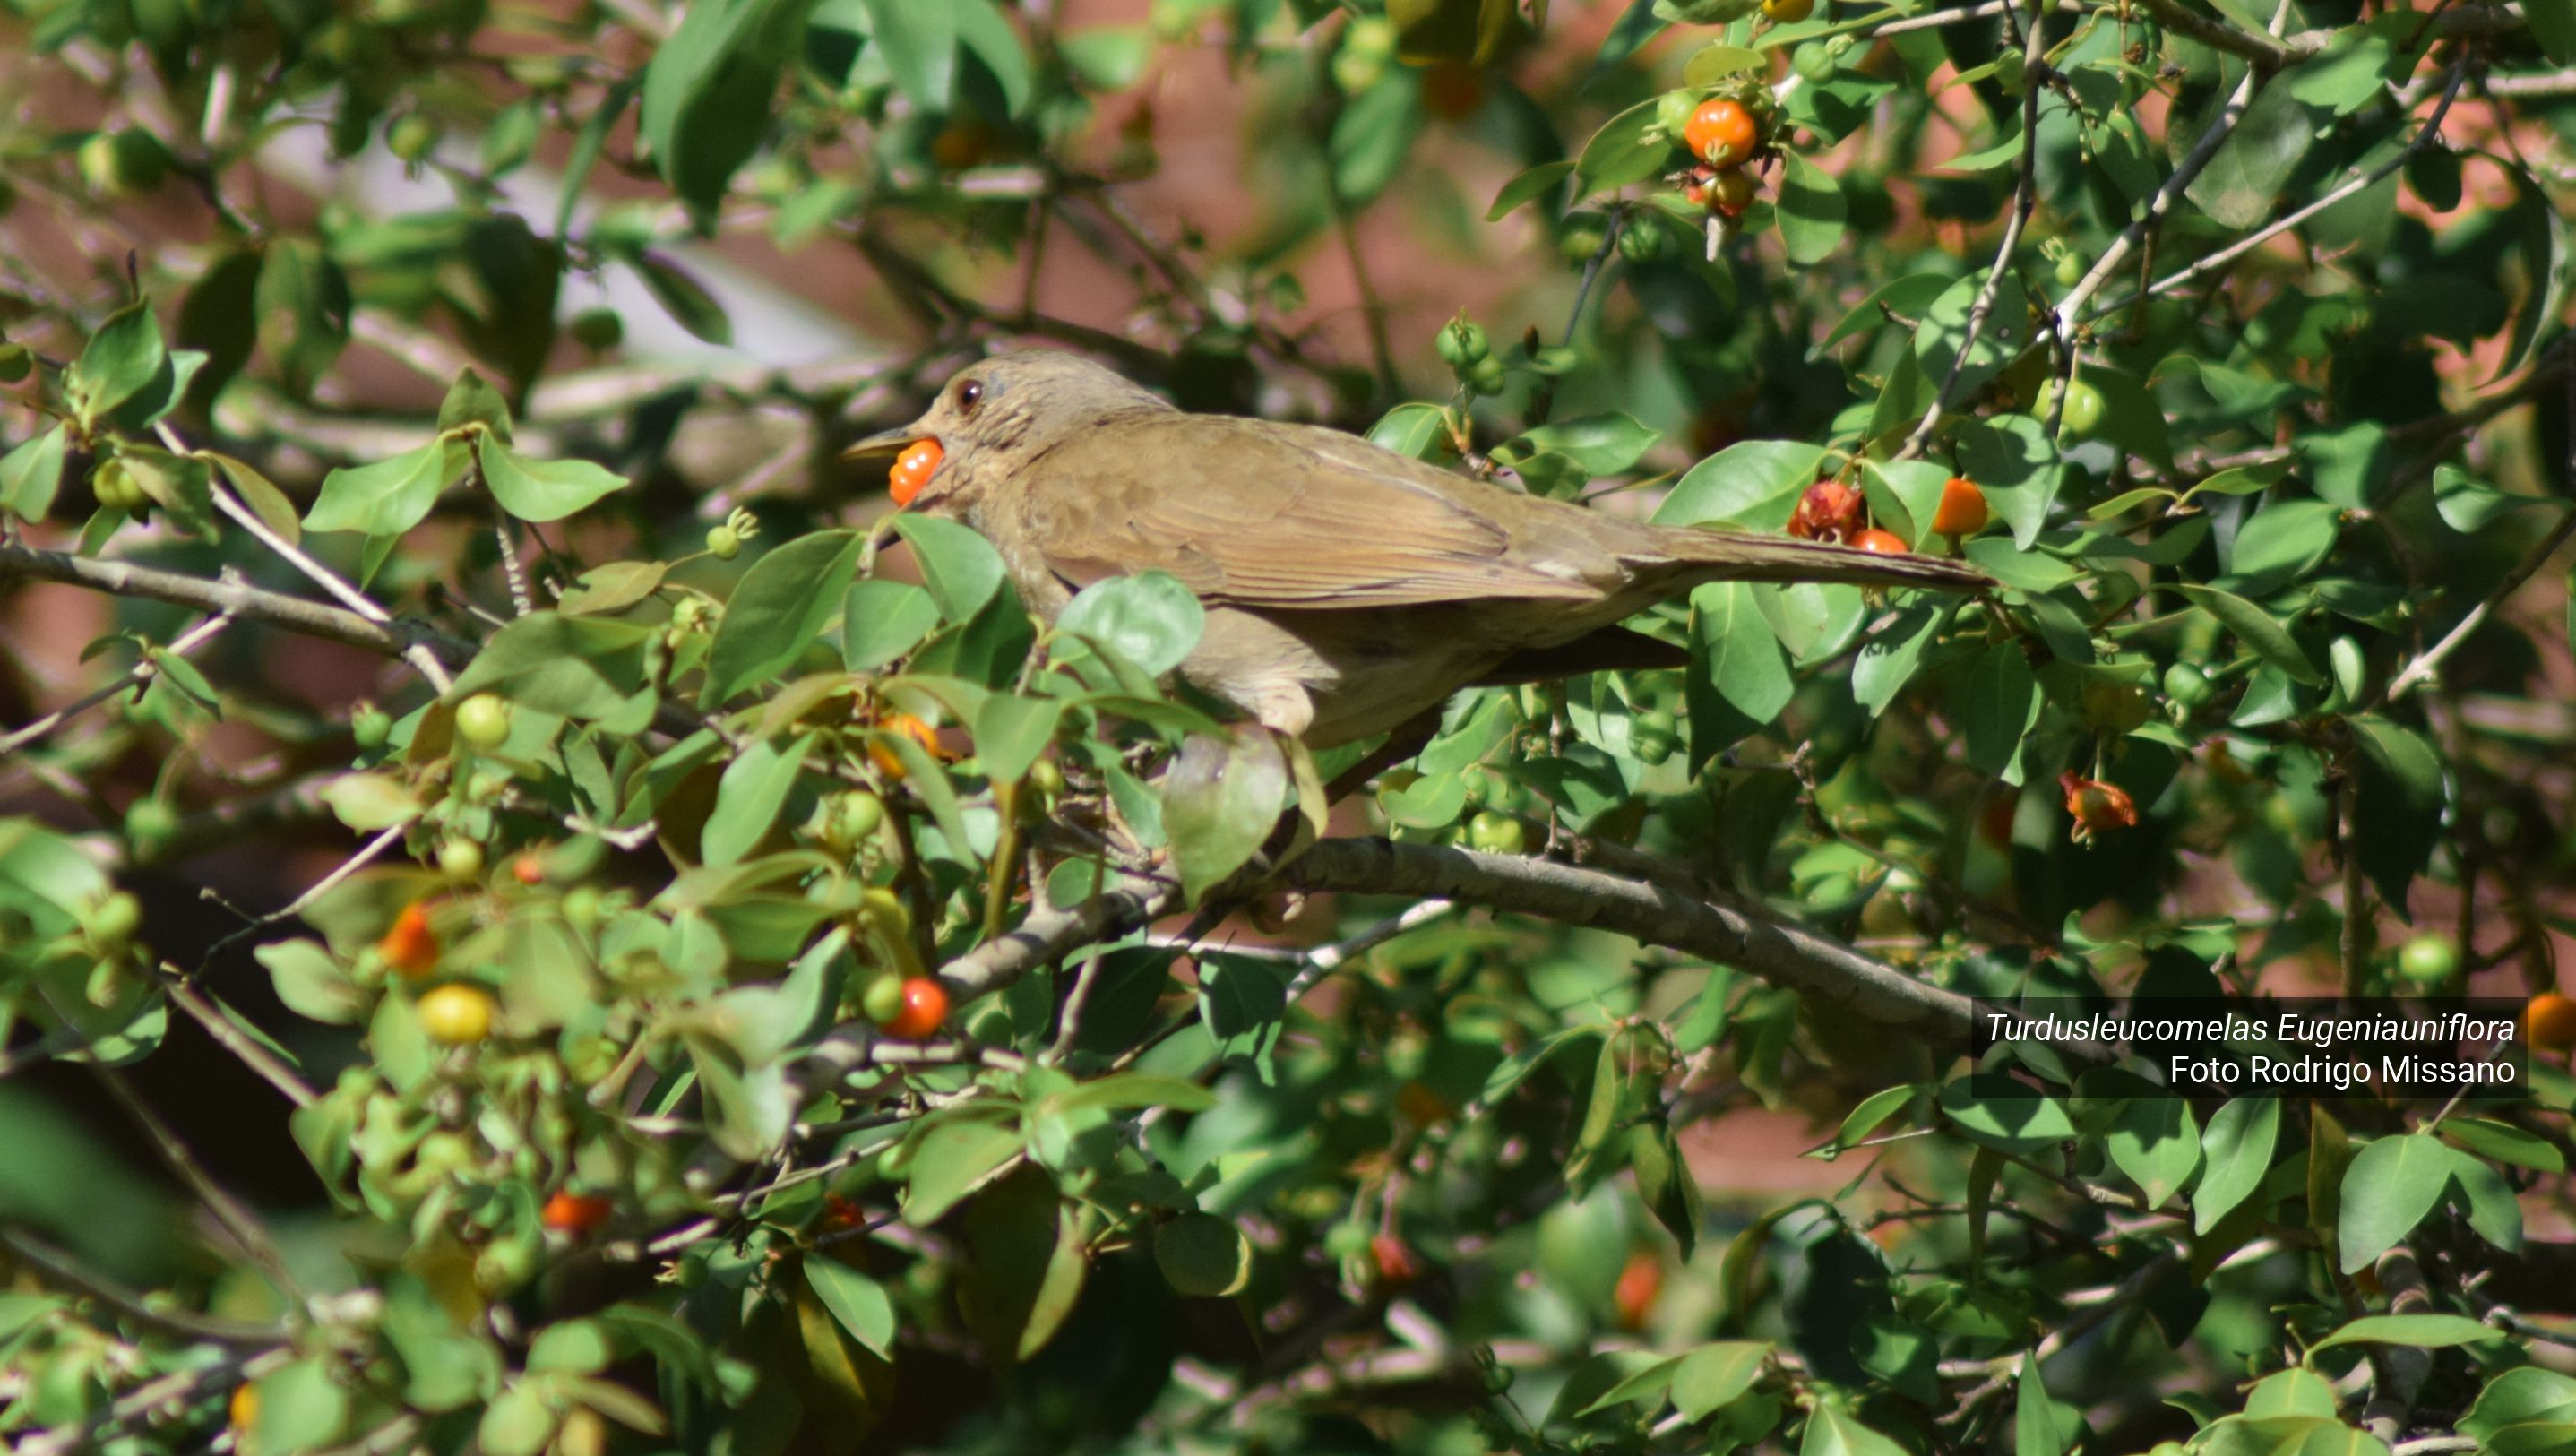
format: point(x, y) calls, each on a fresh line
point(992, 417)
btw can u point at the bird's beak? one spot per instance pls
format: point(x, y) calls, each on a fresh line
point(884, 442)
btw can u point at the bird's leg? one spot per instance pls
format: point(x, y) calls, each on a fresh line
point(1409, 738)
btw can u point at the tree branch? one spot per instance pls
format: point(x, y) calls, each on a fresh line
point(230, 597)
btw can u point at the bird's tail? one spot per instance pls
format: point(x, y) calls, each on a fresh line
point(1706, 554)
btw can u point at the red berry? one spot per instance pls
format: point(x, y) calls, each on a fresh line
point(576, 1213)
point(1640, 1281)
point(1962, 511)
point(925, 1006)
point(1885, 543)
point(1829, 511)
point(1721, 133)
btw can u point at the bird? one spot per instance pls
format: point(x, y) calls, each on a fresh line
point(1350, 590)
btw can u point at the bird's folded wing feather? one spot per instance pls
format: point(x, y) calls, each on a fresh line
point(1279, 516)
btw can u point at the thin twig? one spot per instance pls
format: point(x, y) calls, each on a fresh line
point(230, 597)
point(2426, 665)
point(64, 1269)
point(139, 674)
point(229, 1211)
point(383, 841)
point(271, 1068)
point(2025, 198)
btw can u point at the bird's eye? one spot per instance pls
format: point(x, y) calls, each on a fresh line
point(969, 394)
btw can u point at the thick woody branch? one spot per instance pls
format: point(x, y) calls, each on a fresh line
point(228, 597)
point(1785, 955)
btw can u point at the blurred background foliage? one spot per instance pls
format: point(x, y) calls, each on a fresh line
point(508, 845)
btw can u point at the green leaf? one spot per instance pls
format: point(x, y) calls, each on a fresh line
point(859, 1303)
point(1012, 733)
point(1151, 621)
point(386, 498)
point(1527, 186)
point(368, 802)
point(301, 303)
point(1626, 149)
point(1834, 1431)
point(2389, 1188)
point(1651, 1379)
point(2013, 461)
point(1742, 682)
point(2553, 24)
point(2494, 1209)
point(543, 490)
point(684, 298)
point(301, 1408)
point(919, 43)
point(781, 604)
point(1372, 136)
point(586, 147)
point(1887, 662)
point(1024, 1267)
point(1417, 430)
point(2037, 1427)
point(2236, 1153)
point(882, 620)
point(125, 357)
point(1221, 799)
point(2399, 814)
point(2527, 1395)
point(590, 668)
point(2468, 505)
point(1715, 1374)
point(1603, 444)
point(949, 1161)
point(261, 494)
point(707, 94)
point(31, 474)
point(1903, 494)
point(2422, 1331)
point(989, 38)
point(2239, 185)
point(2002, 705)
point(1755, 484)
point(311, 983)
point(2156, 1143)
point(753, 788)
point(1811, 211)
point(1938, 343)
point(2257, 629)
point(1909, 295)
point(961, 568)
point(2505, 1143)
point(2282, 543)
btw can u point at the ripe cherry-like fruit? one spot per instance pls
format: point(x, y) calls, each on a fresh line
point(1962, 511)
point(1885, 543)
point(925, 1006)
point(2551, 1019)
point(889, 762)
point(1721, 133)
point(912, 470)
point(1788, 12)
point(1641, 1279)
point(410, 946)
point(575, 1213)
point(2095, 805)
point(1829, 511)
point(483, 720)
point(456, 1014)
point(1396, 1262)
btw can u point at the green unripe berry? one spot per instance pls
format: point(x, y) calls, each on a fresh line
point(1654, 737)
point(2070, 270)
point(882, 1000)
point(1487, 376)
point(724, 543)
point(1492, 833)
point(116, 488)
point(1642, 241)
point(1579, 242)
point(2008, 71)
point(1812, 62)
point(371, 726)
point(149, 823)
point(412, 137)
point(1046, 778)
point(857, 815)
point(2187, 685)
point(2429, 960)
point(1673, 111)
point(120, 164)
point(111, 923)
point(1463, 345)
point(483, 721)
point(460, 859)
point(598, 329)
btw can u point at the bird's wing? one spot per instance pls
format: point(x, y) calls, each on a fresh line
point(1279, 516)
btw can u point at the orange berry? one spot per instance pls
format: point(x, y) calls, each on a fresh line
point(1885, 543)
point(888, 762)
point(2551, 1019)
point(1962, 511)
point(1641, 1279)
point(1396, 1262)
point(1721, 133)
point(410, 946)
point(244, 1408)
point(2095, 805)
point(527, 869)
point(575, 1213)
point(925, 1006)
point(912, 470)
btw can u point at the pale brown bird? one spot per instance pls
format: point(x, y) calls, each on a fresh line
point(1348, 588)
